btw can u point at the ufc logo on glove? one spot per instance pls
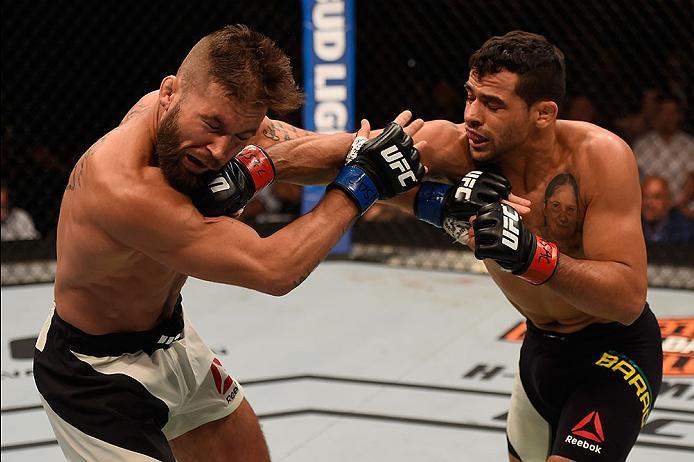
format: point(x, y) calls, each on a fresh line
point(464, 191)
point(219, 184)
point(510, 233)
point(396, 162)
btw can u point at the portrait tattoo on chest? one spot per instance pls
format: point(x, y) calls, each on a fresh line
point(564, 214)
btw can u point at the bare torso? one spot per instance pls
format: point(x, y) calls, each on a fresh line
point(101, 285)
point(560, 221)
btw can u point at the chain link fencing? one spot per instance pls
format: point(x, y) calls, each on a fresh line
point(71, 70)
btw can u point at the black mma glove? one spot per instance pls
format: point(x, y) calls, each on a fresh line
point(384, 166)
point(501, 235)
point(436, 201)
point(228, 191)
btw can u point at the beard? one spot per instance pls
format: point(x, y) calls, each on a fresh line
point(169, 156)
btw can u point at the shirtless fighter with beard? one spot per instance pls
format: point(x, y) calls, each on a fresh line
point(121, 372)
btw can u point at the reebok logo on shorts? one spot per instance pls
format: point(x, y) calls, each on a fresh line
point(590, 428)
point(223, 384)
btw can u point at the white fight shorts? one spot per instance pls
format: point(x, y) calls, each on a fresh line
point(123, 396)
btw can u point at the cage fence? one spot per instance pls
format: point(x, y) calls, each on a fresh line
point(71, 70)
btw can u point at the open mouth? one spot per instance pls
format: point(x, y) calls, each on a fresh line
point(475, 139)
point(194, 164)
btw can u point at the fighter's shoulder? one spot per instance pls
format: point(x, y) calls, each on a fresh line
point(142, 106)
point(447, 153)
point(123, 182)
point(441, 132)
point(142, 202)
point(595, 148)
point(603, 160)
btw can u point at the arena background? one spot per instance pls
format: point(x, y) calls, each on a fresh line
point(71, 70)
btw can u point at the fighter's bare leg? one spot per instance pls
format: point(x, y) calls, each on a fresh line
point(236, 437)
point(512, 458)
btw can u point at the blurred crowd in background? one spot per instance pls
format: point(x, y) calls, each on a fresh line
point(664, 153)
point(663, 150)
point(72, 70)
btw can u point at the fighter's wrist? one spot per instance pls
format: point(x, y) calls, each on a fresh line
point(542, 264)
point(354, 148)
point(258, 165)
point(358, 186)
point(429, 202)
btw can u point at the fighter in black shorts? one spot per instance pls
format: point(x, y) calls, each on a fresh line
point(586, 393)
point(574, 266)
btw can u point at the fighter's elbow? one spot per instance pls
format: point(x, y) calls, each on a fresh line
point(277, 285)
point(280, 290)
point(631, 308)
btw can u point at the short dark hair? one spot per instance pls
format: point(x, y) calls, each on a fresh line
point(539, 65)
point(248, 65)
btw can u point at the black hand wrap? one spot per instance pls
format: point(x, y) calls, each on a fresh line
point(385, 166)
point(501, 235)
point(228, 191)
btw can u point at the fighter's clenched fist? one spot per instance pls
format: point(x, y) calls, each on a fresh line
point(383, 167)
point(501, 235)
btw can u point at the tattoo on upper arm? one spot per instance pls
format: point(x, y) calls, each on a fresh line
point(278, 131)
point(79, 172)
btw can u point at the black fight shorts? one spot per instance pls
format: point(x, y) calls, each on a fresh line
point(585, 395)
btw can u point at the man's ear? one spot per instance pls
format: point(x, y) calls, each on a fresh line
point(546, 114)
point(166, 90)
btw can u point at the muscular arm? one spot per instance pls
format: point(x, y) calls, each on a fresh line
point(611, 281)
point(304, 157)
point(226, 250)
point(446, 157)
point(301, 156)
point(272, 132)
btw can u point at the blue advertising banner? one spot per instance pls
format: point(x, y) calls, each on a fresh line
point(328, 79)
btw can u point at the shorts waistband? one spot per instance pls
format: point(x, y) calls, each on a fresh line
point(597, 330)
point(119, 343)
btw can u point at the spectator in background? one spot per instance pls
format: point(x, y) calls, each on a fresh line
point(632, 126)
point(662, 222)
point(17, 224)
point(667, 151)
point(446, 101)
point(686, 205)
point(676, 76)
point(581, 107)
